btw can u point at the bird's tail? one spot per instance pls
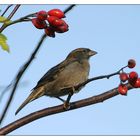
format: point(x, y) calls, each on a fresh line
point(34, 95)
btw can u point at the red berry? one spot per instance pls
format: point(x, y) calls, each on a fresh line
point(50, 19)
point(57, 13)
point(58, 22)
point(62, 29)
point(133, 76)
point(50, 32)
point(122, 89)
point(42, 15)
point(39, 24)
point(131, 63)
point(137, 83)
point(123, 77)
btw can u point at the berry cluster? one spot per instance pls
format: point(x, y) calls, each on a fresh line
point(131, 77)
point(51, 22)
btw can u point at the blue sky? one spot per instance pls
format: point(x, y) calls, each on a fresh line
point(111, 30)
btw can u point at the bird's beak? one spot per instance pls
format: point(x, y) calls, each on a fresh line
point(91, 53)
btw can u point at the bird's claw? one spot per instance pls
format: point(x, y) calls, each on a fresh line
point(66, 105)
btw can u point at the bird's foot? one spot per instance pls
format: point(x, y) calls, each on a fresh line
point(66, 105)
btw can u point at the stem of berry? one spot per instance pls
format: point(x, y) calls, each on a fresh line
point(122, 68)
point(22, 19)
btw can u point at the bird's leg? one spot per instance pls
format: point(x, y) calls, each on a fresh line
point(61, 99)
point(67, 102)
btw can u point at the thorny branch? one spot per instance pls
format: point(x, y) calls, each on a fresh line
point(24, 68)
point(59, 109)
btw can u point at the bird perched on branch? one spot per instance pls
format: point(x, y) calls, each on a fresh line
point(71, 72)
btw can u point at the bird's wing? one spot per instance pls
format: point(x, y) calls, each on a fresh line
point(53, 73)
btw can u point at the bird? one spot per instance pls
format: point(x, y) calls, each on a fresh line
point(69, 73)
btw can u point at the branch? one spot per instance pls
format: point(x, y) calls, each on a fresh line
point(10, 16)
point(58, 109)
point(23, 69)
point(19, 75)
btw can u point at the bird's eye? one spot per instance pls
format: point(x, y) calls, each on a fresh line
point(85, 51)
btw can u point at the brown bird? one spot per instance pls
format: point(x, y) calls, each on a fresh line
point(67, 74)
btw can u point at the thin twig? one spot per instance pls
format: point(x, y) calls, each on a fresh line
point(23, 69)
point(6, 9)
point(99, 77)
point(14, 11)
point(69, 8)
point(10, 16)
point(5, 90)
point(59, 109)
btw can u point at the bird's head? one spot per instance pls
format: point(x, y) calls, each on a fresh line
point(81, 53)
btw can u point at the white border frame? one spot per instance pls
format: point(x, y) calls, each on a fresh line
point(70, 2)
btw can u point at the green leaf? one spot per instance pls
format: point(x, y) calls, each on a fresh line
point(4, 46)
point(3, 43)
point(3, 37)
point(4, 20)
